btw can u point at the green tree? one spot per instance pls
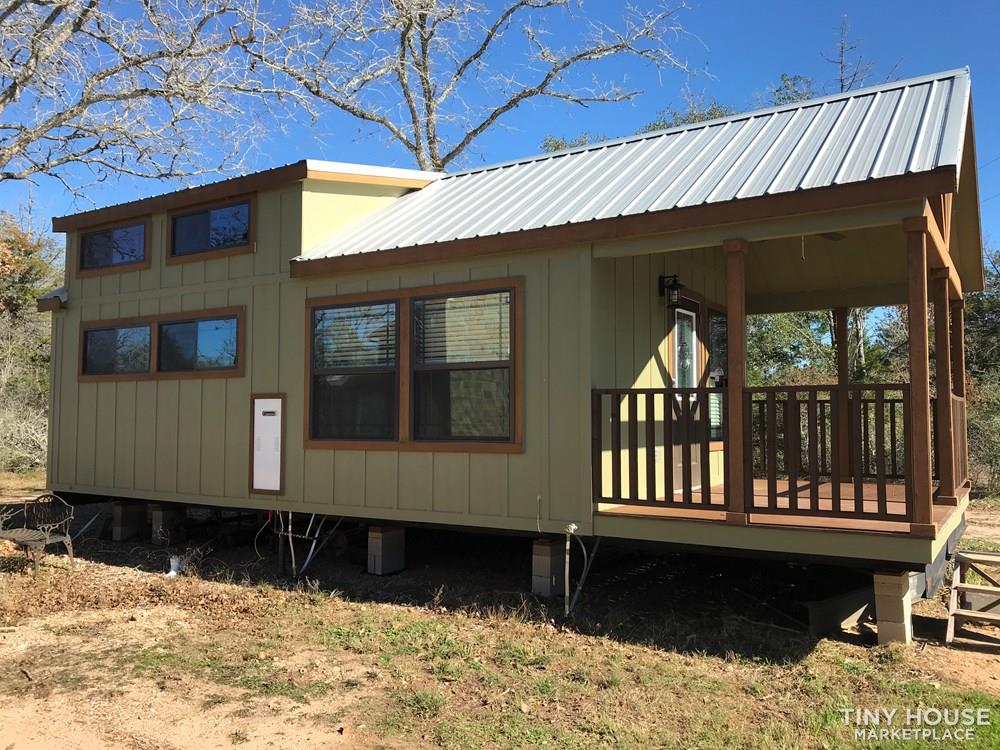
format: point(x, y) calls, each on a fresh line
point(789, 349)
point(552, 143)
point(982, 320)
point(791, 89)
point(697, 108)
point(25, 266)
point(27, 269)
point(982, 376)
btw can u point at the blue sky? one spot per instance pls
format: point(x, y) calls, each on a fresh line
point(745, 46)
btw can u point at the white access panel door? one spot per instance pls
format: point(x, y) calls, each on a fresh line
point(267, 447)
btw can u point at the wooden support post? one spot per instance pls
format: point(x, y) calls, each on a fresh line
point(841, 338)
point(920, 387)
point(958, 346)
point(958, 378)
point(942, 372)
point(736, 326)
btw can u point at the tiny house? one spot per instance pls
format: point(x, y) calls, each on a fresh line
point(548, 341)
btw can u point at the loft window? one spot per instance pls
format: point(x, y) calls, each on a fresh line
point(462, 367)
point(116, 246)
point(354, 372)
point(204, 344)
point(217, 228)
point(115, 351)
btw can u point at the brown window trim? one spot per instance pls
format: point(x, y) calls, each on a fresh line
point(154, 321)
point(404, 441)
point(202, 255)
point(137, 265)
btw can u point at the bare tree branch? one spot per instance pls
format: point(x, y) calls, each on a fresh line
point(148, 89)
point(434, 75)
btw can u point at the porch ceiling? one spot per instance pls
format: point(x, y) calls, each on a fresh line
point(861, 267)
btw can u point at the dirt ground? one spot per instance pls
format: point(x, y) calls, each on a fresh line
point(665, 650)
point(983, 523)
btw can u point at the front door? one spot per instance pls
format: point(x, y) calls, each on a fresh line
point(686, 372)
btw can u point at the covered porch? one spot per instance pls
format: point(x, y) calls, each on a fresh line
point(863, 457)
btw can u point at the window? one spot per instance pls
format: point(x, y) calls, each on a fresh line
point(354, 373)
point(206, 344)
point(116, 351)
point(685, 348)
point(462, 367)
point(214, 229)
point(718, 348)
point(426, 369)
point(116, 246)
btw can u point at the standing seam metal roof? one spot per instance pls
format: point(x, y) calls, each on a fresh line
point(896, 128)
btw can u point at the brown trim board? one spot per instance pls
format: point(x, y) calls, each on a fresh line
point(882, 190)
point(49, 304)
point(215, 191)
point(404, 440)
point(364, 179)
point(153, 321)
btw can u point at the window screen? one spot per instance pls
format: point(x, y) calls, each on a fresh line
point(112, 351)
point(354, 372)
point(462, 377)
point(212, 229)
point(113, 247)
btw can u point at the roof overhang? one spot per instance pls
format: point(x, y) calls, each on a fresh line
point(717, 216)
point(307, 169)
point(53, 301)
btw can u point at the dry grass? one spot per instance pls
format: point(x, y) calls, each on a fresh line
point(401, 675)
point(17, 485)
point(987, 502)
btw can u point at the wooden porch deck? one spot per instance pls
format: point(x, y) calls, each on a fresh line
point(716, 510)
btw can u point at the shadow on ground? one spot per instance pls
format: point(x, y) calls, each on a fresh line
point(636, 593)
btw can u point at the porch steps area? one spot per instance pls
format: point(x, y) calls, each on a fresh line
point(974, 602)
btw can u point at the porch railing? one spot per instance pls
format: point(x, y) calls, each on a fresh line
point(829, 451)
point(654, 446)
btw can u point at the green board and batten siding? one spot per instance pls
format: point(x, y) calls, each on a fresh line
point(188, 440)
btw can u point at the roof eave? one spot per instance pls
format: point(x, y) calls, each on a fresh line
point(232, 188)
point(883, 190)
point(203, 193)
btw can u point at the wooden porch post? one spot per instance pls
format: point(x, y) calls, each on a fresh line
point(942, 368)
point(841, 341)
point(736, 327)
point(958, 378)
point(958, 346)
point(920, 387)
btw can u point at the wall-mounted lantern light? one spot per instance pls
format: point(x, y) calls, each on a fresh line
point(670, 288)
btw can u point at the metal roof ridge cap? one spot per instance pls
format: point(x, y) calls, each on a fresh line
point(735, 117)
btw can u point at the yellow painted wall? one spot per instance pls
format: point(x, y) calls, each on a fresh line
point(631, 347)
point(328, 207)
point(188, 440)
